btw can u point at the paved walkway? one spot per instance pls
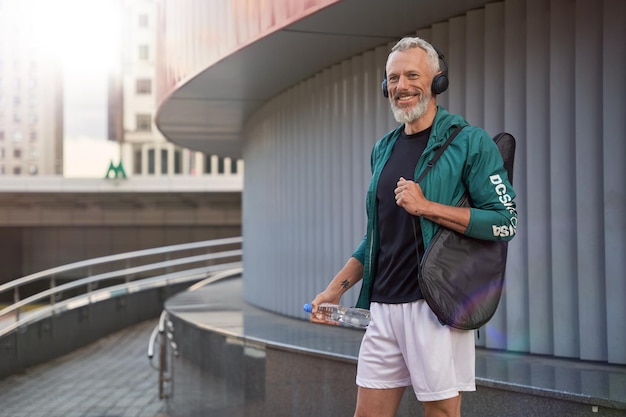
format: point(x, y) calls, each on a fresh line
point(111, 377)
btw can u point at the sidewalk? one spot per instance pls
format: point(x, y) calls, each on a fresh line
point(111, 377)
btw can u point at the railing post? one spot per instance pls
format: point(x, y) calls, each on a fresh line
point(16, 299)
point(168, 255)
point(127, 278)
point(53, 284)
point(162, 364)
point(90, 285)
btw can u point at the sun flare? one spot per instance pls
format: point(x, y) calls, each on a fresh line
point(79, 34)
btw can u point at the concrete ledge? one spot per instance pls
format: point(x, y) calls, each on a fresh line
point(57, 184)
point(237, 360)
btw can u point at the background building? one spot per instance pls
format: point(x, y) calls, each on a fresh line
point(31, 98)
point(294, 87)
point(133, 105)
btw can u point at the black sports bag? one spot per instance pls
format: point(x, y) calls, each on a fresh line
point(461, 277)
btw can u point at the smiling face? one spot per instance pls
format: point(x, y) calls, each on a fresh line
point(409, 77)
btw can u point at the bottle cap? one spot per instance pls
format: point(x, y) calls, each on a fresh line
point(308, 308)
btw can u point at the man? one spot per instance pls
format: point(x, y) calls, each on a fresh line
point(405, 344)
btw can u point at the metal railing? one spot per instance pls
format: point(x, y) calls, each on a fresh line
point(92, 288)
point(163, 335)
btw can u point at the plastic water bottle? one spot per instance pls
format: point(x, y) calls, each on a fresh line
point(338, 315)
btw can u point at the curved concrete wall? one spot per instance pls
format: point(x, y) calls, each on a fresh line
point(551, 73)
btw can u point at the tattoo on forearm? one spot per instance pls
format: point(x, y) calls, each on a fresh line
point(345, 283)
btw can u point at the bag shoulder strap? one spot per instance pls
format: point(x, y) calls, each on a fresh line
point(440, 151)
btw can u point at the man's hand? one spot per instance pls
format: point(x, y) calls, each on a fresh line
point(351, 273)
point(323, 297)
point(410, 197)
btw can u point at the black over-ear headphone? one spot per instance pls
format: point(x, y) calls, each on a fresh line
point(440, 81)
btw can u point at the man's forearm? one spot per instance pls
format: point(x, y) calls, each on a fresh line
point(455, 218)
point(350, 274)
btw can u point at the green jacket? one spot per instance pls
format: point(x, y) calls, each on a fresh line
point(472, 162)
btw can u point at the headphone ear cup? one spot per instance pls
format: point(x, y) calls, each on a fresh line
point(439, 84)
point(383, 85)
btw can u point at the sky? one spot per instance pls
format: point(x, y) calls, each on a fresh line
point(89, 54)
point(84, 35)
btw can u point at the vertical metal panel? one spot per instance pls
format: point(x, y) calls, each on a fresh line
point(318, 158)
point(456, 63)
point(516, 283)
point(614, 151)
point(353, 108)
point(493, 110)
point(384, 120)
point(493, 65)
point(562, 179)
point(537, 166)
point(590, 222)
point(440, 37)
point(366, 92)
point(469, 65)
point(474, 72)
point(474, 68)
point(536, 69)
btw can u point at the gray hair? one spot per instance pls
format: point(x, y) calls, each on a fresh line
point(415, 42)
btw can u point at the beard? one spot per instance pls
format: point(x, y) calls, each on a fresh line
point(406, 116)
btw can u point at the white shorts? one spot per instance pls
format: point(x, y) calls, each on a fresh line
point(405, 344)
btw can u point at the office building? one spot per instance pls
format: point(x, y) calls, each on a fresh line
point(31, 98)
point(133, 105)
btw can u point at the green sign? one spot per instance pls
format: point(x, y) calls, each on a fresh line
point(115, 171)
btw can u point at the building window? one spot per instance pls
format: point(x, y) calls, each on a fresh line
point(33, 136)
point(137, 162)
point(143, 20)
point(144, 52)
point(17, 153)
point(207, 164)
point(17, 118)
point(178, 162)
point(17, 136)
point(144, 122)
point(151, 161)
point(17, 170)
point(143, 86)
point(164, 161)
point(1, 134)
point(33, 170)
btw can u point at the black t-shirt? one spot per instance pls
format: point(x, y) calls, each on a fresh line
point(395, 280)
